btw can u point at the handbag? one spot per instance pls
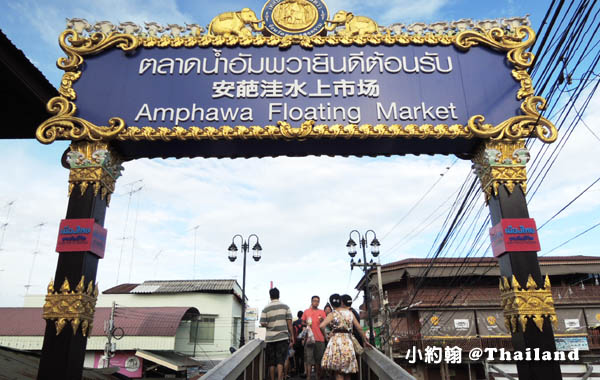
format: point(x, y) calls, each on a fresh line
point(358, 349)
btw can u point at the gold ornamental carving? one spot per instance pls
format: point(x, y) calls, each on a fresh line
point(501, 163)
point(234, 24)
point(532, 301)
point(529, 124)
point(307, 130)
point(71, 306)
point(515, 43)
point(76, 46)
point(65, 125)
point(353, 25)
point(93, 164)
point(295, 16)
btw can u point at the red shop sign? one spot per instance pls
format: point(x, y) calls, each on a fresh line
point(81, 235)
point(514, 235)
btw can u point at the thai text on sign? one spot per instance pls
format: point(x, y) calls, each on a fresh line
point(81, 235)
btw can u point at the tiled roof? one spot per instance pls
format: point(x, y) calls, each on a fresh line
point(176, 286)
point(135, 321)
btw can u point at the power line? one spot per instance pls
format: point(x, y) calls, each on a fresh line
point(569, 204)
point(420, 199)
point(571, 239)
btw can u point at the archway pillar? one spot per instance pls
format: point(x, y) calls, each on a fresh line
point(70, 303)
point(526, 296)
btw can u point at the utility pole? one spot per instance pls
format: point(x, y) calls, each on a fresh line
point(366, 268)
point(384, 313)
point(109, 347)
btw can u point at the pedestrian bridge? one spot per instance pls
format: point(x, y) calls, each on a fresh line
point(248, 363)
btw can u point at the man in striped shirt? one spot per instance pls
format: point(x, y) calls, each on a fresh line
point(276, 317)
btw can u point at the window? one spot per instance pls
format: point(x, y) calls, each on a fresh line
point(203, 329)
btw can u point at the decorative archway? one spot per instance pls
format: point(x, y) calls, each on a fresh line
point(458, 89)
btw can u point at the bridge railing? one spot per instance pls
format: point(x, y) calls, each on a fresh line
point(248, 363)
point(376, 366)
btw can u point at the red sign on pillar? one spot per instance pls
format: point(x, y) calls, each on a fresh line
point(514, 235)
point(81, 235)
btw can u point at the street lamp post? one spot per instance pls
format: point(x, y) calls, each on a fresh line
point(233, 249)
point(351, 245)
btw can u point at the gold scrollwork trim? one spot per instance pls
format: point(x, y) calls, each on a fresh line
point(306, 130)
point(64, 125)
point(76, 46)
point(77, 306)
point(308, 42)
point(515, 43)
point(66, 84)
point(530, 124)
point(532, 301)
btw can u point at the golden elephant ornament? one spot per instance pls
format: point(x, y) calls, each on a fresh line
point(354, 25)
point(235, 23)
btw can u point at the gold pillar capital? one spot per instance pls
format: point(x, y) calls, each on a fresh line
point(501, 163)
point(94, 163)
point(77, 306)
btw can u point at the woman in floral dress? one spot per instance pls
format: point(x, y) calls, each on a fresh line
point(339, 355)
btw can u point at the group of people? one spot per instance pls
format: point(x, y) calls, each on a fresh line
point(320, 337)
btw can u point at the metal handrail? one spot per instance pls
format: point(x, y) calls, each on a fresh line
point(234, 366)
point(384, 367)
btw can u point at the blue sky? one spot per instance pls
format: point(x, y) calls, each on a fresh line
point(302, 208)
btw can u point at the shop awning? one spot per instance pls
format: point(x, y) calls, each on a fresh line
point(169, 359)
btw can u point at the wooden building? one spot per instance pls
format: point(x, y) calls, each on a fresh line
point(457, 302)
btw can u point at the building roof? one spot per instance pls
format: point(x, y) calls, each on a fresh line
point(226, 286)
point(24, 91)
point(23, 365)
point(479, 266)
point(135, 321)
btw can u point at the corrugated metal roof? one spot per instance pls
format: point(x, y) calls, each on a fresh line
point(135, 321)
point(120, 289)
point(176, 286)
point(143, 288)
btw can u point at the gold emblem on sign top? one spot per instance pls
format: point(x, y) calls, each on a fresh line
point(435, 320)
point(233, 29)
point(295, 16)
point(491, 320)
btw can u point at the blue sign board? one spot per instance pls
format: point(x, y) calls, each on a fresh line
point(260, 86)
